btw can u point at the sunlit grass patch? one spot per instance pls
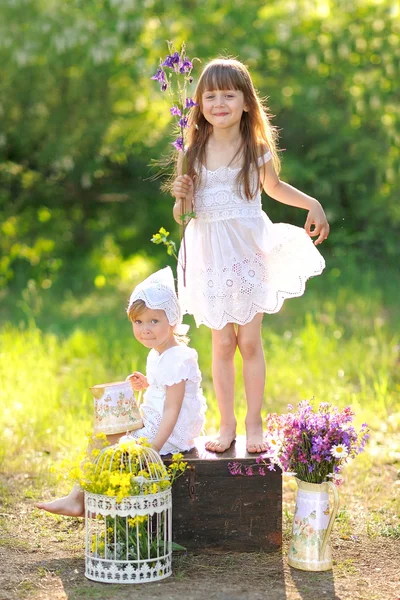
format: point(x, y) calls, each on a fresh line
point(341, 347)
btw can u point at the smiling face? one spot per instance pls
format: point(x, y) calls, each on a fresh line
point(223, 108)
point(152, 329)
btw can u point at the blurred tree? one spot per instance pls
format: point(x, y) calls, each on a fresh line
point(82, 119)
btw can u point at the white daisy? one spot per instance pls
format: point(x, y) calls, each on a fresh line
point(273, 442)
point(340, 451)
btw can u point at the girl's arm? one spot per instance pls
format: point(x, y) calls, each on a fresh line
point(172, 408)
point(287, 194)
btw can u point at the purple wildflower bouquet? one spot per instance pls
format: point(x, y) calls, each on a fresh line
point(174, 75)
point(312, 444)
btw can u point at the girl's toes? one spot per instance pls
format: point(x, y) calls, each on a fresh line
point(219, 445)
point(256, 448)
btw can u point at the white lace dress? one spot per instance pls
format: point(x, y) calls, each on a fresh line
point(239, 263)
point(176, 364)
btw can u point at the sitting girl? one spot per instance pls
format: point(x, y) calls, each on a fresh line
point(173, 407)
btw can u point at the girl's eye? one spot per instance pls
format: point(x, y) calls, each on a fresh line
point(137, 322)
point(154, 320)
point(209, 97)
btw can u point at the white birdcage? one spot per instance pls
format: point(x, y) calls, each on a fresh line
point(129, 540)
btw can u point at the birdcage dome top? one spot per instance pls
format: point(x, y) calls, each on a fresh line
point(141, 463)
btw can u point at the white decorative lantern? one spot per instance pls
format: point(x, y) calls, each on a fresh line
point(129, 541)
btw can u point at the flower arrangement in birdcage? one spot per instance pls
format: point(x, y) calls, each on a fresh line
point(174, 75)
point(128, 512)
point(312, 444)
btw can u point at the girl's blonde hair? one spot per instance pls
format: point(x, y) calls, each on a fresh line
point(135, 310)
point(138, 307)
point(258, 135)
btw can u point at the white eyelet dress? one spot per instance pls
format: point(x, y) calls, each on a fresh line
point(176, 364)
point(239, 263)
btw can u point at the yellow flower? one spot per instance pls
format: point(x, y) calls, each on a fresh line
point(177, 457)
point(143, 473)
point(143, 441)
point(115, 479)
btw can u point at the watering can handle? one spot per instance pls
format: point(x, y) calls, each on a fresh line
point(333, 487)
point(139, 397)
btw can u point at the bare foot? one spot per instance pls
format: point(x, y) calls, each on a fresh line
point(225, 439)
point(255, 442)
point(70, 506)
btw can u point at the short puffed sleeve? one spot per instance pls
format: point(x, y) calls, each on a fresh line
point(178, 364)
point(264, 159)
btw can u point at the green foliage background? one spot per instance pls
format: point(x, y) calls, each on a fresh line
point(81, 121)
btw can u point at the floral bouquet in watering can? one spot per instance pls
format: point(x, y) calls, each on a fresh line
point(314, 445)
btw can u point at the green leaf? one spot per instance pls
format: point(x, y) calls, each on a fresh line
point(177, 547)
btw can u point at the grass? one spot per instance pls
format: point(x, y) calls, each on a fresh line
point(339, 343)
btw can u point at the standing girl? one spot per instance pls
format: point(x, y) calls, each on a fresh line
point(239, 264)
point(173, 407)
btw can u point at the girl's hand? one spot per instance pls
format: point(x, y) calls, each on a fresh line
point(138, 381)
point(183, 189)
point(316, 216)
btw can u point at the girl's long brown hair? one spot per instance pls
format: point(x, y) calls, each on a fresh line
point(258, 135)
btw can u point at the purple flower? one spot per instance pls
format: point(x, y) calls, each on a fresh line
point(235, 468)
point(178, 143)
point(185, 66)
point(183, 122)
point(175, 111)
point(190, 102)
point(164, 87)
point(159, 76)
point(171, 60)
point(317, 444)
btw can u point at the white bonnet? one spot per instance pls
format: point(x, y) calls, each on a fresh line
point(158, 293)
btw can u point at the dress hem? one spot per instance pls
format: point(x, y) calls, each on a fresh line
point(255, 309)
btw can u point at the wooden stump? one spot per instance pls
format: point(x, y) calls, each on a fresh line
point(214, 510)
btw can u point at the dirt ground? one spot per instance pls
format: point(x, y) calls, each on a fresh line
point(42, 558)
